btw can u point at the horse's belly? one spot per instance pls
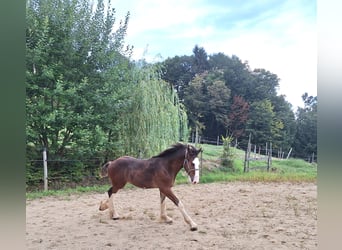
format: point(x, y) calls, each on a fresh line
point(143, 184)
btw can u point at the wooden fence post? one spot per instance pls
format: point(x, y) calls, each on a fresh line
point(196, 136)
point(45, 170)
point(269, 161)
point(247, 155)
point(313, 157)
point(201, 164)
point(288, 155)
point(266, 149)
point(245, 163)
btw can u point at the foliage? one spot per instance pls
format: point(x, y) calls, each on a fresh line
point(284, 113)
point(264, 85)
point(207, 100)
point(238, 116)
point(200, 62)
point(227, 158)
point(155, 118)
point(263, 124)
point(73, 58)
point(305, 143)
point(86, 101)
point(178, 71)
point(223, 95)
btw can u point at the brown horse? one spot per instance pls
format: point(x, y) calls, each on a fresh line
point(157, 172)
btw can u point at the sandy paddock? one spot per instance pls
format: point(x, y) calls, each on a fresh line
point(237, 215)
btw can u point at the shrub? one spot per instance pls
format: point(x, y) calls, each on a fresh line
point(227, 160)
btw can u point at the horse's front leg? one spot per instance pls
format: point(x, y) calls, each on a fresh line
point(169, 194)
point(163, 216)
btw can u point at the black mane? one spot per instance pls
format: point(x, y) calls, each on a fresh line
point(174, 148)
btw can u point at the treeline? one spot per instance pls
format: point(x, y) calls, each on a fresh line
point(88, 101)
point(225, 97)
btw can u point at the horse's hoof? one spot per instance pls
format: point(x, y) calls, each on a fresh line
point(116, 218)
point(193, 228)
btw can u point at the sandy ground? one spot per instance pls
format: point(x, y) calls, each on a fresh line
point(236, 215)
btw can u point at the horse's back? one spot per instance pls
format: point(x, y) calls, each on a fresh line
point(139, 172)
point(126, 164)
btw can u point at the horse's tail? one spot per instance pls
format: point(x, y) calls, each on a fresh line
point(104, 170)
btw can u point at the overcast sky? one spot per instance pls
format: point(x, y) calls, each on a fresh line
point(277, 35)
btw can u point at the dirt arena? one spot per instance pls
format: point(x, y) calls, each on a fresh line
point(237, 215)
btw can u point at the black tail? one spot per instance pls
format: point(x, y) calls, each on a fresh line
point(104, 170)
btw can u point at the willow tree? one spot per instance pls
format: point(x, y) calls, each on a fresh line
point(156, 119)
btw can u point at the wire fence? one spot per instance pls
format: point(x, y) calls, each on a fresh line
point(91, 166)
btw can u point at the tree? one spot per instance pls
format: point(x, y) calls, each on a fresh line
point(179, 72)
point(238, 116)
point(262, 123)
point(238, 78)
point(155, 118)
point(218, 104)
point(70, 51)
point(283, 112)
point(219, 61)
point(195, 100)
point(305, 143)
point(264, 85)
point(200, 58)
point(207, 102)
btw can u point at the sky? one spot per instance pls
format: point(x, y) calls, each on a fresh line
point(276, 35)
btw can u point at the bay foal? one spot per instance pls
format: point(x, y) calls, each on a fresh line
point(159, 171)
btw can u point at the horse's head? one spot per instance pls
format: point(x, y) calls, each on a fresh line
point(191, 163)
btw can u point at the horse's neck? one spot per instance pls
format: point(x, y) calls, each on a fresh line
point(177, 164)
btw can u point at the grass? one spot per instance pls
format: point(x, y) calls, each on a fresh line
point(66, 192)
point(291, 170)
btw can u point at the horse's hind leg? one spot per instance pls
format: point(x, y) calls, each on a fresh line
point(163, 216)
point(112, 213)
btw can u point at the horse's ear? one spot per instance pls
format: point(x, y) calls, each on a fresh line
point(199, 151)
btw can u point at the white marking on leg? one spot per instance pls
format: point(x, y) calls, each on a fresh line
point(111, 207)
point(112, 213)
point(163, 216)
point(187, 218)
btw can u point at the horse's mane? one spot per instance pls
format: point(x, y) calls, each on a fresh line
point(171, 150)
